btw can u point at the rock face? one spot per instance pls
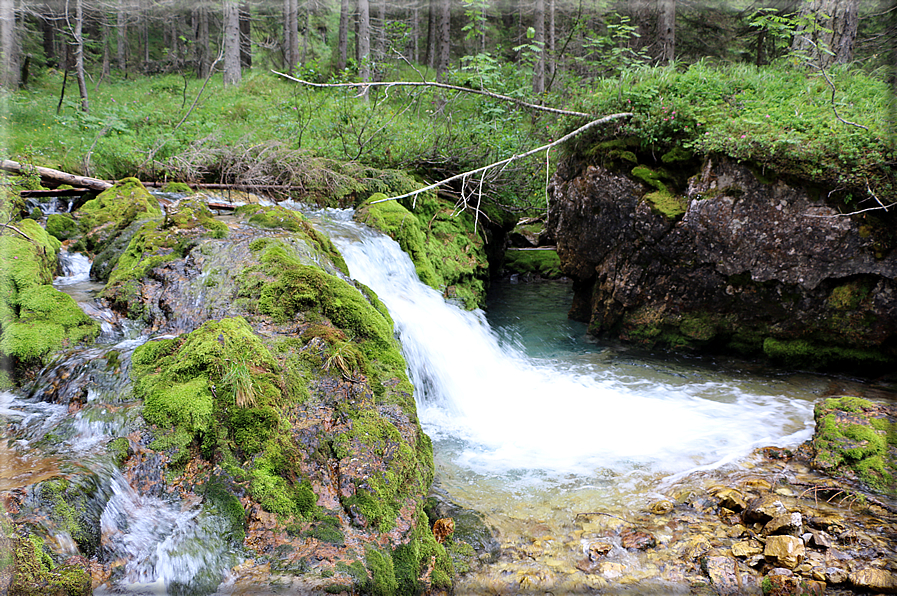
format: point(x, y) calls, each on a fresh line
point(746, 266)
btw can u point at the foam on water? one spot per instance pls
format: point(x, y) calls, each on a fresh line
point(500, 411)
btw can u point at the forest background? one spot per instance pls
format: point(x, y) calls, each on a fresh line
point(187, 91)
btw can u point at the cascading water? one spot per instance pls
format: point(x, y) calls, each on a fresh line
point(499, 412)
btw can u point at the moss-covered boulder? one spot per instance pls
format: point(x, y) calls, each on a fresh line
point(447, 251)
point(35, 573)
point(35, 318)
point(857, 438)
point(282, 402)
point(62, 226)
point(113, 210)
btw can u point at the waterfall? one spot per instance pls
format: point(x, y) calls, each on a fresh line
point(497, 411)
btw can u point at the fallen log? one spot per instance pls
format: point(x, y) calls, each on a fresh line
point(55, 176)
point(68, 192)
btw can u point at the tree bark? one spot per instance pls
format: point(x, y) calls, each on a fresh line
point(48, 30)
point(444, 39)
point(364, 40)
point(9, 67)
point(79, 55)
point(381, 30)
point(666, 29)
point(431, 34)
point(245, 35)
point(290, 34)
point(550, 63)
point(203, 53)
point(835, 30)
point(539, 42)
point(121, 36)
point(343, 43)
point(232, 73)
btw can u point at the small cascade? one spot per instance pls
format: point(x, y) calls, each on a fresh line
point(75, 281)
point(495, 410)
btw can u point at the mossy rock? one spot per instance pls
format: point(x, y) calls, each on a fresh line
point(113, 210)
point(814, 355)
point(447, 255)
point(650, 177)
point(857, 438)
point(36, 318)
point(545, 263)
point(178, 187)
point(667, 204)
point(35, 574)
point(62, 226)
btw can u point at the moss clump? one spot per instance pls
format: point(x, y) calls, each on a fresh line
point(854, 438)
point(34, 571)
point(543, 262)
point(178, 187)
point(104, 217)
point(36, 319)
point(676, 154)
point(800, 352)
point(292, 221)
point(62, 226)
point(282, 287)
point(848, 296)
point(649, 177)
point(667, 204)
point(446, 253)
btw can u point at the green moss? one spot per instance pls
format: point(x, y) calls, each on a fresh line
point(292, 221)
point(62, 226)
point(666, 203)
point(698, 326)
point(35, 572)
point(126, 201)
point(120, 449)
point(447, 254)
point(227, 505)
point(649, 177)
point(544, 262)
point(382, 573)
point(676, 154)
point(847, 403)
point(800, 352)
point(178, 187)
point(848, 296)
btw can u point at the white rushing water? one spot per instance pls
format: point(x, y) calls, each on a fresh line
point(499, 412)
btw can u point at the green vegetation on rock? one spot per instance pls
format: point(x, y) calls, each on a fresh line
point(855, 438)
point(447, 255)
point(35, 572)
point(540, 261)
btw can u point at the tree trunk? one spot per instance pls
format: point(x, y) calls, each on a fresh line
point(444, 39)
point(203, 49)
point(121, 36)
point(835, 31)
point(79, 55)
point(381, 30)
point(666, 29)
point(232, 73)
point(364, 40)
point(431, 34)
point(305, 32)
point(539, 42)
point(106, 57)
point(49, 40)
point(145, 36)
point(550, 57)
point(415, 33)
point(343, 43)
point(245, 35)
point(9, 68)
point(56, 176)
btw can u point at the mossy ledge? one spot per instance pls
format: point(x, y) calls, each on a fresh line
point(447, 254)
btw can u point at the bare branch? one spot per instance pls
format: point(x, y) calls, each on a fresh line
point(503, 162)
point(514, 100)
point(832, 85)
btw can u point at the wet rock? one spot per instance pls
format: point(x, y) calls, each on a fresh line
point(877, 580)
point(787, 551)
point(817, 538)
point(763, 509)
point(637, 539)
point(733, 245)
point(790, 524)
point(727, 578)
point(836, 575)
point(661, 507)
point(693, 547)
point(731, 499)
point(747, 548)
point(598, 549)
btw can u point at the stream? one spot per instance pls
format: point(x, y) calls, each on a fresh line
point(533, 423)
